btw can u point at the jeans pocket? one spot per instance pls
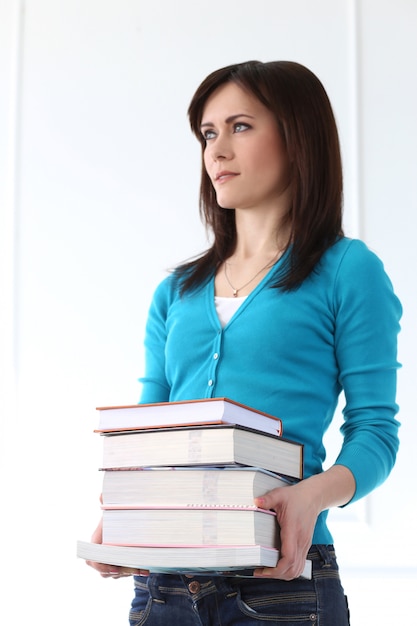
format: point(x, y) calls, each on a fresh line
point(141, 605)
point(286, 604)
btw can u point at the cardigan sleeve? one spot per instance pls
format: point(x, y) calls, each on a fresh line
point(367, 324)
point(154, 384)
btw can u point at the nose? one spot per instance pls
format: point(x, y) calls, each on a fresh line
point(220, 149)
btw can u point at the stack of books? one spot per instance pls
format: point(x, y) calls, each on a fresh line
point(179, 482)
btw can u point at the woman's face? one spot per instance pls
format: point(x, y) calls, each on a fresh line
point(245, 156)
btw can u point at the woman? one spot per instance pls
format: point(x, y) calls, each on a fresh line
point(282, 313)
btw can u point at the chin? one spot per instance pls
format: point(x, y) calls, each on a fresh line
point(226, 203)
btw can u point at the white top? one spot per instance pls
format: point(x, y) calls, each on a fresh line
point(227, 307)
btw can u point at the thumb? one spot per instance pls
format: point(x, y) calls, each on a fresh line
point(264, 502)
point(268, 500)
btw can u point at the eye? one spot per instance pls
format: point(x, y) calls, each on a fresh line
point(208, 134)
point(240, 127)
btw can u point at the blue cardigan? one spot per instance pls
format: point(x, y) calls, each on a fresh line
point(291, 354)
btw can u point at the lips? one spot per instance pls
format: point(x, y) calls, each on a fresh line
point(224, 176)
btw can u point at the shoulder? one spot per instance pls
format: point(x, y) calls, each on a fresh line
point(166, 291)
point(169, 290)
point(358, 275)
point(352, 260)
point(347, 250)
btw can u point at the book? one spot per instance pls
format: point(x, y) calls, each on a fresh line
point(178, 491)
point(213, 560)
point(181, 486)
point(203, 445)
point(190, 526)
point(191, 412)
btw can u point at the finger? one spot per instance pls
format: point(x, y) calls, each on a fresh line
point(282, 571)
point(129, 571)
point(261, 502)
point(269, 500)
point(267, 572)
point(105, 570)
point(274, 573)
point(123, 572)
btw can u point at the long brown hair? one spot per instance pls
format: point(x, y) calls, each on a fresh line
point(306, 122)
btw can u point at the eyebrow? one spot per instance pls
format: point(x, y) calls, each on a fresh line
point(229, 119)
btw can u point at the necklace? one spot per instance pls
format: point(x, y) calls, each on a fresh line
point(237, 289)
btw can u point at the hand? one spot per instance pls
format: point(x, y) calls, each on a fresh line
point(111, 571)
point(297, 513)
point(297, 508)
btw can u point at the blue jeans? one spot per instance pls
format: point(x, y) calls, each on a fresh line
point(175, 600)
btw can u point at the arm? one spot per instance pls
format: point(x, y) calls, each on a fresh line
point(366, 323)
point(155, 389)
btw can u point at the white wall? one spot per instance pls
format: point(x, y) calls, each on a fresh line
point(99, 184)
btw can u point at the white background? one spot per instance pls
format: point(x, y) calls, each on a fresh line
point(99, 181)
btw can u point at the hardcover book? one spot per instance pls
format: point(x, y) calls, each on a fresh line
point(218, 445)
point(191, 412)
point(230, 560)
point(182, 486)
point(196, 526)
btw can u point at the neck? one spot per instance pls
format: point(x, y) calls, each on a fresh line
point(259, 244)
point(259, 235)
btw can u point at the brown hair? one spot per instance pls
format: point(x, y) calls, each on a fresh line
point(306, 122)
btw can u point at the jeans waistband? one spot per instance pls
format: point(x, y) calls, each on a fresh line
point(321, 555)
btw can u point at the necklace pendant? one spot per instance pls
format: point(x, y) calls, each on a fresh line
point(235, 293)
